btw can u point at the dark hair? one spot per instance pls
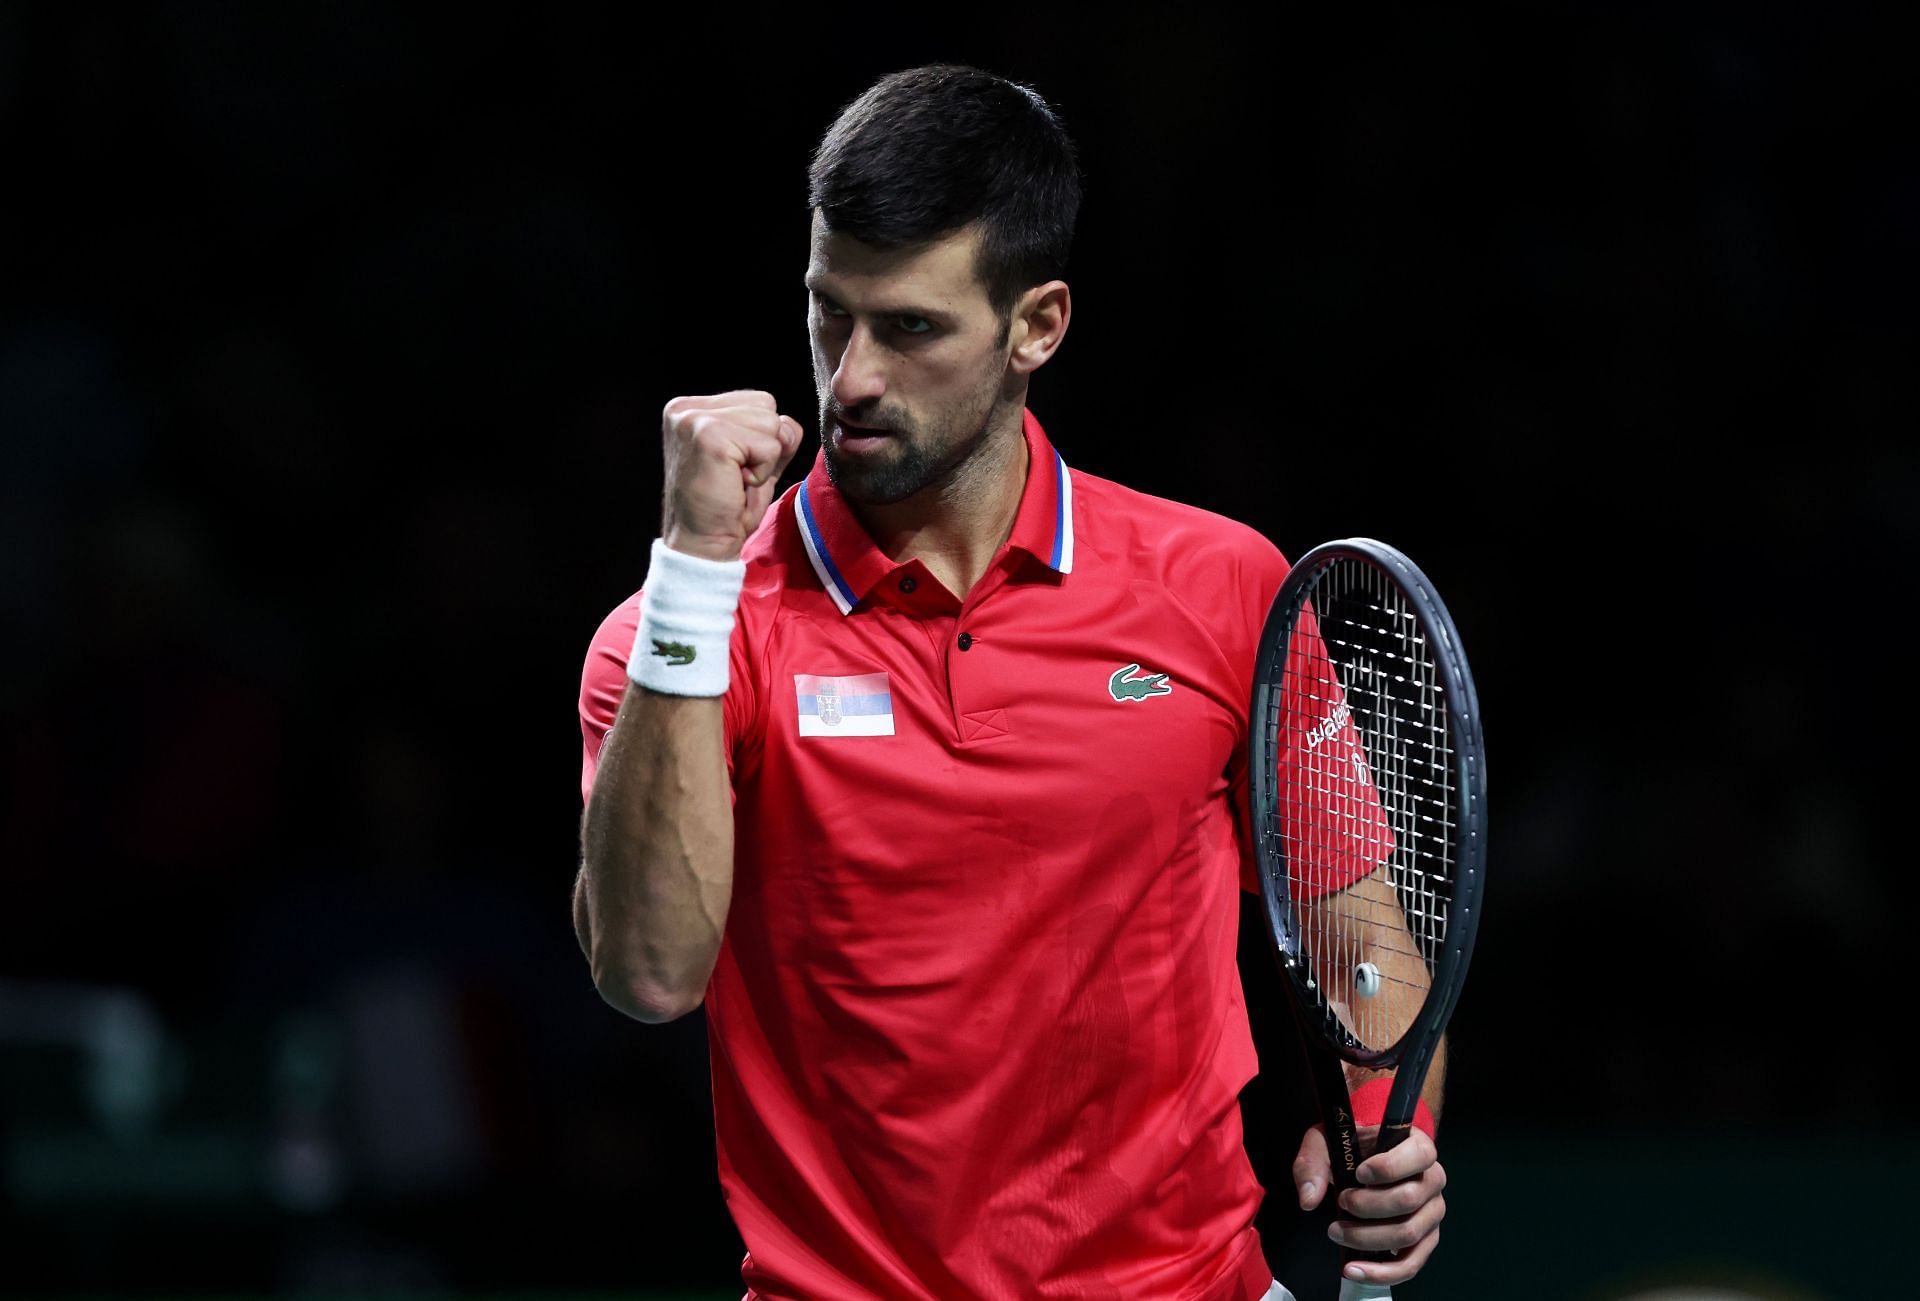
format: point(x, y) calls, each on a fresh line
point(927, 151)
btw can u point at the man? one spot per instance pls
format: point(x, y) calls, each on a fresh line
point(926, 779)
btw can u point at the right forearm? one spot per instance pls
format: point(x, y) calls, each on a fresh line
point(657, 839)
point(657, 851)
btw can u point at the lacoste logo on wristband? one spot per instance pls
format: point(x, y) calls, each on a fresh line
point(674, 652)
point(1122, 686)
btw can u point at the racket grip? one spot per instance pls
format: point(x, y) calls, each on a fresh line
point(1353, 1291)
point(1389, 1136)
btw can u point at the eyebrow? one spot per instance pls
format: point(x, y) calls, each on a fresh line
point(815, 286)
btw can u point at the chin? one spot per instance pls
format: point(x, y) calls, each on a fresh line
point(869, 485)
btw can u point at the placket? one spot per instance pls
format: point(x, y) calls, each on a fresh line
point(971, 671)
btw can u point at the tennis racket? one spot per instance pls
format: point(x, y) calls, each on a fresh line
point(1369, 821)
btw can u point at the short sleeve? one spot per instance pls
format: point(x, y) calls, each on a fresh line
point(604, 681)
point(1326, 788)
point(1327, 796)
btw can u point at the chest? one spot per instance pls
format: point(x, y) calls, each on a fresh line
point(1041, 715)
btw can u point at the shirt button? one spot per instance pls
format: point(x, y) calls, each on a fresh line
point(966, 640)
point(907, 584)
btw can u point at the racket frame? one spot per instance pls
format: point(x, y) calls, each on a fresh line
point(1326, 1041)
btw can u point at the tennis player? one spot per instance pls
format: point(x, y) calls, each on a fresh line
point(926, 777)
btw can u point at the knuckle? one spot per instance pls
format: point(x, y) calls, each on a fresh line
point(1406, 1200)
point(686, 425)
point(704, 431)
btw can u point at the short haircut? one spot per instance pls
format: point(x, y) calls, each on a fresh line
point(930, 150)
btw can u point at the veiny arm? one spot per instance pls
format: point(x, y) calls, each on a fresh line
point(656, 877)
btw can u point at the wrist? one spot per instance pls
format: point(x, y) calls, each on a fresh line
point(703, 546)
point(682, 644)
point(1370, 1105)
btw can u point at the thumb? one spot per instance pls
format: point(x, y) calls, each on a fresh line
point(1311, 1170)
point(790, 435)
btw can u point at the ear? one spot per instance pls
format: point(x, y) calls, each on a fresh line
point(1039, 323)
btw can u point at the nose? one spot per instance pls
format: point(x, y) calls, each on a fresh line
point(860, 376)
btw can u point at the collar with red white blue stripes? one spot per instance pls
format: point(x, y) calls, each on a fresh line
point(850, 565)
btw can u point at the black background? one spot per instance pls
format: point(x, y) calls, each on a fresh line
point(333, 340)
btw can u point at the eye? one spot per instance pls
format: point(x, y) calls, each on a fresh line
point(828, 307)
point(914, 324)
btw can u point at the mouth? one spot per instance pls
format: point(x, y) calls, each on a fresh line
point(857, 438)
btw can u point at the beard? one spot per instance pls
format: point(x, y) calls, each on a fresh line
point(918, 454)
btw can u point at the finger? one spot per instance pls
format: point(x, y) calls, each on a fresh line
point(740, 397)
point(1389, 1235)
point(1311, 1170)
point(1389, 1200)
point(759, 498)
point(758, 419)
point(1404, 1160)
point(731, 434)
point(761, 460)
point(1398, 1270)
point(790, 435)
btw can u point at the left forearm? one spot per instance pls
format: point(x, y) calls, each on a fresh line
point(1367, 925)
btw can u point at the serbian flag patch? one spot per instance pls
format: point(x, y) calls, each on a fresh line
point(856, 706)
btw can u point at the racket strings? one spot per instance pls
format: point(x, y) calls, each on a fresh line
point(1366, 816)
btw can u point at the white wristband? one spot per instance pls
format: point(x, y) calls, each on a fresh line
point(686, 623)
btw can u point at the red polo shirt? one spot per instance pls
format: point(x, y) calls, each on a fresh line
point(976, 1025)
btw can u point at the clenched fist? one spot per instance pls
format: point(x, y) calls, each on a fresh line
point(724, 455)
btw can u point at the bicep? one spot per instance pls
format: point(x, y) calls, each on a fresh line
point(603, 685)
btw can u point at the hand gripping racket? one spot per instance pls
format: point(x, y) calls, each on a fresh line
point(1369, 822)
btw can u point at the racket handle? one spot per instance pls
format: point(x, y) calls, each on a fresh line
point(1390, 1136)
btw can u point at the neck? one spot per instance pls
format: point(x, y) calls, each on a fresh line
point(956, 527)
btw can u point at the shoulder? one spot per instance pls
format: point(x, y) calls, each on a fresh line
point(768, 555)
point(612, 641)
point(1183, 546)
point(771, 554)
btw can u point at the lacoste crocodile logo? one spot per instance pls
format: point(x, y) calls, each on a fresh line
point(1124, 687)
point(675, 653)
